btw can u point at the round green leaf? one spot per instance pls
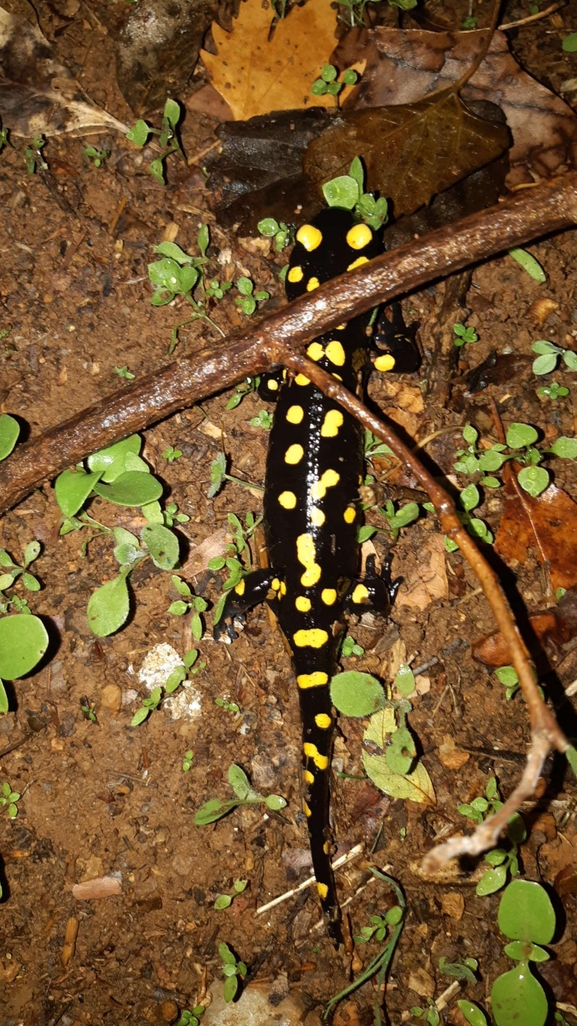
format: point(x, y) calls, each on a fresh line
point(533, 480)
point(140, 716)
point(341, 192)
point(491, 881)
point(131, 489)
point(526, 912)
point(520, 435)
point(111, 461)
point(522, 951)
point(162, 545)
point(275, 803)
point(23, 642)
point(9, 431)
point(223, 901)
point(239, 781)
point(108, 607)
point(405, 680)
point(545, 364)
point(565, 447)
point(268, 227)
point(570, 359)
point(469, 497)
point(569, 44)
point(472, 1013)
point(356, 694)
point(517, 997)
point(230, 988)
point(72, 489)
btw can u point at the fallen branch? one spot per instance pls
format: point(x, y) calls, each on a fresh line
point(549, 207)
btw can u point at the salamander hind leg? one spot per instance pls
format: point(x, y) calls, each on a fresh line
point(250, 591)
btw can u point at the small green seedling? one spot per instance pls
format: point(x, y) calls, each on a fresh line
point(9, 800)
point(464, 336)
point(124, 373)
point(263, 420)
point(548, 354)
point(188, 603)
point(248, 386)
point(351, 648)
point(219, 474)
point(430, 1014)
point(87, 709)
point(182, 672)
point(356, 9)
point(34, 157)
point(569, 44)
point(225, 900)
point(501, 861)
point(248, 299)
point(530, 265)
point(192, 1018)
point(396, 519)
point(233, 970)
point(465, 970)
point(380, 926)
point(12, 571)
point(347, 191)
point(187, 761)
point(469, 499)
point(374, 447)
point(4, 141)
point(215, 809)
point(9, 431)
point(279, 232)
point(469, 23)
point(167, 138)
point(223, 703)
point(98, 157)
point(553, 391)
point(171, 454)
point(237, 551)
point(329, 84)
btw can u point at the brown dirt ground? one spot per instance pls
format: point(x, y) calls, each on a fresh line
point(108, 799)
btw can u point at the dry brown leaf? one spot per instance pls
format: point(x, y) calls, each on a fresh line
point(427, 582)
point(39, 96)
point(256, 76)
point(101, 887)
point(547, 525)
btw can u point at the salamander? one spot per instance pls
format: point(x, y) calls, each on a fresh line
point(312, 515)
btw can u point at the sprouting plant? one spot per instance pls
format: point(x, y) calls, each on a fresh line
point(520, 439)
point(187, 760)
point(224, 703)
point(464, 336)
point(530, 265)
point(248, 386)
point(430, 1014)
point(225, 900)
point(219, 474)
point(233, 970)
point(188, 603)
point(348, 191)
point(171, 454)
point(187, 668)
point(98, 157)
point(9, 431)
point(34, 157)
point(469, 499)
point(248, 299)
point(245, 794)
point(12, 571)
point(124, 373)
point(350, 647)
point(88, 709)
point(278, 231)
point(9, 800)
point(469, 23)
point(460, 970)
point(167, 137)
point(329, 82)
point(527, 917)
point(553, 391)
point(263, 420)
point(501, 861)
point(548, 354)
point(396, 519)
point(237, 551)
point(356, 8)
point(191, 1018)
point(380, 925)
point(374, 447)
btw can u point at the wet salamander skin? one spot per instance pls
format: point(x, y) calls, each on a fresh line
point(311, 515)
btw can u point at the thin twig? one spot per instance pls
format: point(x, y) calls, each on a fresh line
point(342, 860)
point(533, 17)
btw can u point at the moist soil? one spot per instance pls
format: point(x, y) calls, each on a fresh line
point(107, 800)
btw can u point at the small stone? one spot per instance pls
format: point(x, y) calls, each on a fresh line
point(111, 698)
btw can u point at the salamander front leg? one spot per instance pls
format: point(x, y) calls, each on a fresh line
point(257, 587)
point(375, 592)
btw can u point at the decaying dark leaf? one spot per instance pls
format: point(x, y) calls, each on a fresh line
point(404, 66)
point(39, 96)
point(411, 152)
point(548, 629)
point(545, 526)
point(498, 369)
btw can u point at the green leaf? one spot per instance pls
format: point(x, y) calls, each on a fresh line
point(533, 480)
point(517, 997)
point(565, 447)
point(140, 716)
point(173, 252)
point(415, 786)
point(226, 954)
point(239, 782)
point(545, 364)
point(162, 545)
point(30, 582)
point(401, 752)
point(472, 1013)
point(356, 694)
point(491, 460)
point(178, 608)
point(230, 988)
point(405, 680)
point(522, 951)
point(23, 642)
point(469, 497)
point(529, 264)
point(268, 227)
point(108, 606)
point(526, 913)
point(9, 431)
point(569, 44)
point(4, 704)
point(244, 286)
point(521, 435)
point(212, 810)
point(275, 802)
point(110, 462)
point(175, 679)
point(72, 489)
point(570, 359)
point(139, 133)
point(131, 489)
point(341, 192)
point(357, 172)
point(171, 112)
point(223, 901)
point(491, 881)
point(240, 886)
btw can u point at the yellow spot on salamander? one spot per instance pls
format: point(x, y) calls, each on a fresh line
point(294, 454)
point(272, 385)
point(295, 414)
point(313, 638)
point(328, 596)
point(329, 479)
point(311, 751)
point(322, 890)
point(315, 351)
point(240, 588)
point(323, 721)
point(336, 353)
point(384, 363)
point(282, 588)
point(358, 263)
point(306, 809)
point(309, 237)
point(331, 424)
point(360, 594)
point(349, 515)
point(275, 584)
point(287, 500)
point(341, 327)
point(359, 236)
point(326, 847)
point(302, 603)
point(317, 679)
point(295, 274)
point(306, 554)
point(308, 777)
point(301, 379)
point(317, 516)
point(312, 284)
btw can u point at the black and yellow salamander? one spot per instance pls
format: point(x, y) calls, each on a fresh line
point(312, 515)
